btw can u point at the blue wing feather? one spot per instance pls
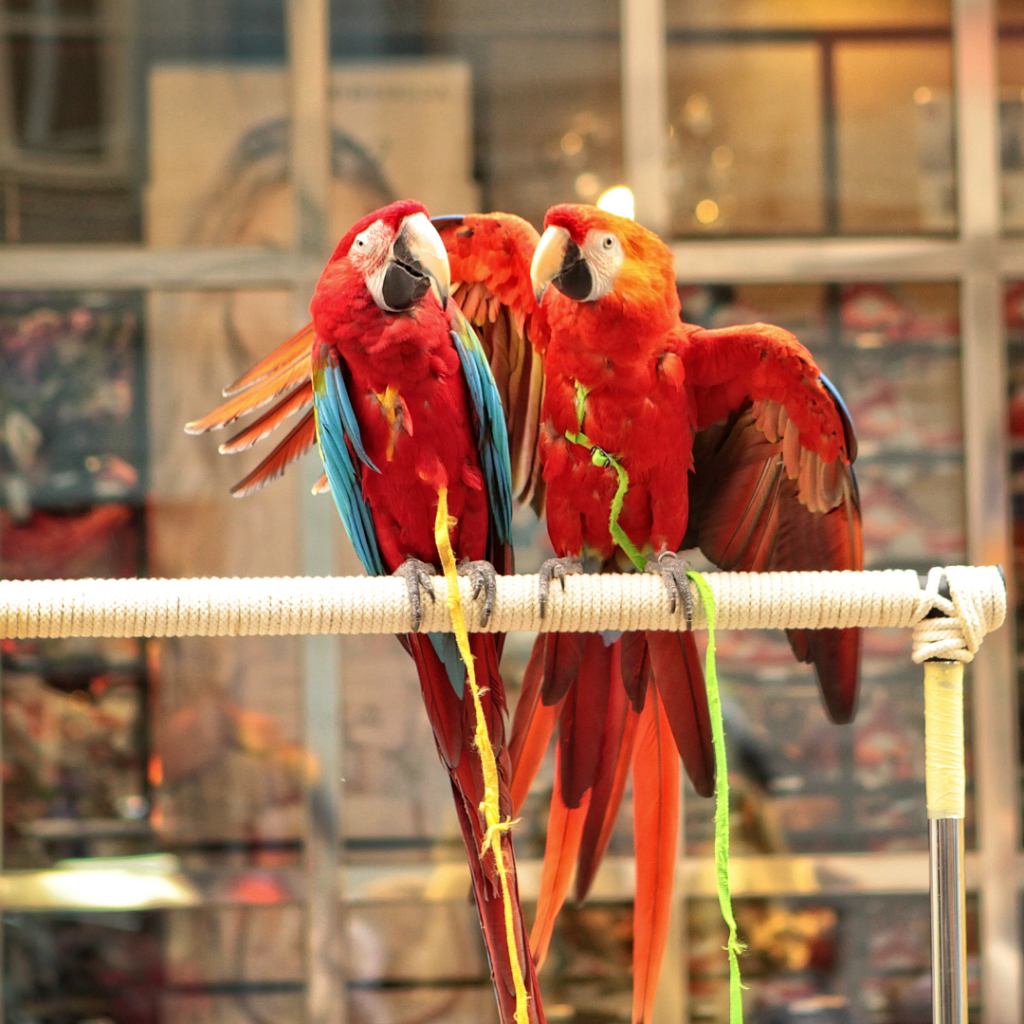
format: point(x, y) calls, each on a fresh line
point(336, 429)
point(492, 436)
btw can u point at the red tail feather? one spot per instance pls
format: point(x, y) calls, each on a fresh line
point(444, 709)
point(565, 827)
point(835, 654)
point(680, 682)
point(532, 726)
point(563, 654)
point(655, 831)
point(635, 667)
point(583, 718)
point(453, 721)
point(606, 796)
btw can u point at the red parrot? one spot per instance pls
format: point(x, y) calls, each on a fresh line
point(655, 436)
point(411, 431)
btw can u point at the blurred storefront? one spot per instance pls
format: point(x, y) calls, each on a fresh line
point(171, 175)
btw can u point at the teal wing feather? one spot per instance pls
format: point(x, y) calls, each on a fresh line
point(341, 448)
point(491, 433)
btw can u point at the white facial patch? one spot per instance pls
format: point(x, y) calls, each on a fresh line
point(603, 252)
point(369, 252)
point(370, 247)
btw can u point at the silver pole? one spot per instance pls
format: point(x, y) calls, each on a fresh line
point(945, 785)
point(949, 952)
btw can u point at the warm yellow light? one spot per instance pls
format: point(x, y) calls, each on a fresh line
point(707, 211)
point(572, 143)
point(721, 157)
point(618, 200)
point(587, 186)
point(922, 95)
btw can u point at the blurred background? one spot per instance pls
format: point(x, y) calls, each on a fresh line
point(171, 175)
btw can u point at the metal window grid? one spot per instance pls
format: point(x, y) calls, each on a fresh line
point(978, 258)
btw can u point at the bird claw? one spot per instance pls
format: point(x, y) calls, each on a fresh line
point(483, 576)
point(555, 569)
point(417, 575)
point(672, 570)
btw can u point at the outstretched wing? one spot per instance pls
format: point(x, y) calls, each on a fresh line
point(773, 485)
point(283, 377)
point(490, 257)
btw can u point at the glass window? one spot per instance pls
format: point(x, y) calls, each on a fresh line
point(809, 118)
point(826, 959)
point(838, 15)
point(895, 167)
point(744, 139)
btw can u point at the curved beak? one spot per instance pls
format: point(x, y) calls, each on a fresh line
point(418, 248)
point(548, 259)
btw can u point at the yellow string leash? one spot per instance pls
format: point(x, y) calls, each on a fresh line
point(489, 807)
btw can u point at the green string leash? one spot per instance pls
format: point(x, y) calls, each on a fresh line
point(599, 457)
point(734, 946)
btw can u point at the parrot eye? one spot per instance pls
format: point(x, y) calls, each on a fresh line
point(361, 242)
point(608, 242)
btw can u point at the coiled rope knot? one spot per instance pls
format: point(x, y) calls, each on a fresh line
point(976, 606)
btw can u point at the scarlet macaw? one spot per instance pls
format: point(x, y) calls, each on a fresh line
point(655, 436)
point(411, 431)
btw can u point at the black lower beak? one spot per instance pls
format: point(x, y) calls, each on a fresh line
point(574, 280)
point(404, 285)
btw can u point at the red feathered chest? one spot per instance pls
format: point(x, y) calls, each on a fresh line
point(405, 382)
point(617, 426)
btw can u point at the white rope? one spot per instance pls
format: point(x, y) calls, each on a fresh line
point(975, 609)
point(300, 605)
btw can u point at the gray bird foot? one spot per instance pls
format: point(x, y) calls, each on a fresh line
point(418, 576)
point(483, 576)
point(672, 570)
point(555, 569)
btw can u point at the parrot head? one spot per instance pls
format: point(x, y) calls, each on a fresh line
point(588, 254)
point(398, 254)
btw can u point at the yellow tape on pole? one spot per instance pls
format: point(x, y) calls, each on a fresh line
point(945, 775)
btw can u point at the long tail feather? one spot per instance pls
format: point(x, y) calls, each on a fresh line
point(606, 796)
point(483, 780)
point(655, 829)
point(532, 727)
point(489, 906)
point(444, 709)
point(469, 787)
point(635, 667)
point(565, 827)
point(835, 654)
point(680, 682)
point(582, 720)
point(563, 654)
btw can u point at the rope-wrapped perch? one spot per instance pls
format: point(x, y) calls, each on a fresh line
point(300, 605)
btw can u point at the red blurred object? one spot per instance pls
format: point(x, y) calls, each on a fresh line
point(101, 542)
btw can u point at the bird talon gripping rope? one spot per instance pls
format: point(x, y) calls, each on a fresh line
point(489, 806)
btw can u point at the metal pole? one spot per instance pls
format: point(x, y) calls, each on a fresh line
point(946, 797)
